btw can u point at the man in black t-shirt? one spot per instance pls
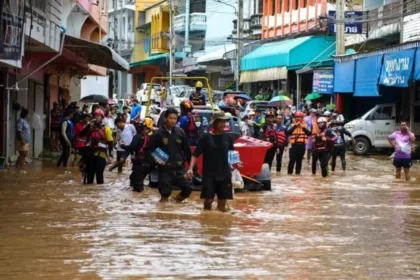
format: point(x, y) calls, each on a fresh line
point(217, 174)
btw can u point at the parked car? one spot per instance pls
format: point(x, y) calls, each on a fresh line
point(141, 95)
point(373, 128)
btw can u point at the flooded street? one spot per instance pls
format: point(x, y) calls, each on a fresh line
point(362, 224)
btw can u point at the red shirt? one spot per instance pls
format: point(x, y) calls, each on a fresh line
point(79, 142)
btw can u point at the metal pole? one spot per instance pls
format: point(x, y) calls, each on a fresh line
point(238, 42)
point(187, 27)
point(7, 123)
point(340, 45)
point(297, 90)
point(171, 38)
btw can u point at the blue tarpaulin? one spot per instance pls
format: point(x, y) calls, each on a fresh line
point(367, 75)
point(397, 68)
point(344, 76)
point(417, 66)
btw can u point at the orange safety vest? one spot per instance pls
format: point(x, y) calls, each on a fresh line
point(298, 136)
point(315, 130)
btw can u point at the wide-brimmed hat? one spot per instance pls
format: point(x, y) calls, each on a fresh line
point(251, 113)
point(220, 115)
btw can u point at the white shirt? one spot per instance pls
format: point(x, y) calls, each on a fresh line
point(128, 118)
point(125, 136)
point(109, 122)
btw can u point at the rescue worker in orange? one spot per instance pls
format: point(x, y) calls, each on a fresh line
point(99, 137)
point(281, 141)
point(321, 146)
point(298, 133)
point(197, 98)
point(187, 122)
point(141, 165)
point(270, 135)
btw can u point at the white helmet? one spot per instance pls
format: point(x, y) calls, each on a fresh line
point(322, 120)
point(327, 113)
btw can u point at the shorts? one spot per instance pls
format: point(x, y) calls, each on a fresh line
point(122, 155)
point(402, 162)
point(21, 146)
point(221, 188)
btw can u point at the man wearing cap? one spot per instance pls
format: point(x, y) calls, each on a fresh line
point(215, 147)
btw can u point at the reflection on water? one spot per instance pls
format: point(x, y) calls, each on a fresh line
point(359, 224)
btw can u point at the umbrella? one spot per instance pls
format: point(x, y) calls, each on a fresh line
point(94, 98)
point(280, 101)
point(243, 96)
point(313, 96)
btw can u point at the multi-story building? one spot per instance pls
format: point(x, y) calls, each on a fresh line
point(121, 14)
point(152, 49)
point(61, 45)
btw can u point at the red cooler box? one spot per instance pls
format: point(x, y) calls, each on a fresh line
point(251, 152)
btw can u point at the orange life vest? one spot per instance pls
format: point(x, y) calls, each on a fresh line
point(298, 136)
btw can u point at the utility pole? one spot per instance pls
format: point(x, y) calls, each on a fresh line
point(115, 24)
point(238, 41)
point(187, 47)
point(340, 46)
point(340, 43)
point(171, 40)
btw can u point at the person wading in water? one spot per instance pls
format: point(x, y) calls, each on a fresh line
point(217, 176)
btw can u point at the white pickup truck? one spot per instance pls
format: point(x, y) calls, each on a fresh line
point(373, 128)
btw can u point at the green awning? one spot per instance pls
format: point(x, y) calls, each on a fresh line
point(151, 60)
point(292, 54)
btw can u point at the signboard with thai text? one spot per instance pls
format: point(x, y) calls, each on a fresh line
point(12, 16)
point(323, 82)
point(353, 23)
point(397, 68)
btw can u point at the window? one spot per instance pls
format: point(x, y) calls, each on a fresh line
point(141, 18)
point(260, 6)
point(383, 113)
point(273, 7)
point(296, 6)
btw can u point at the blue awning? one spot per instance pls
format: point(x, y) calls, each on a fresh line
point(417, 66)
point(367, 75)
point(344, 76)
point(293, 54)
point(397, 68)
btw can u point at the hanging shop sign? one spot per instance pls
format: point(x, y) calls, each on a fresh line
point(397, 69)
point(349, 27)
point(12, 16)
point(323, 82)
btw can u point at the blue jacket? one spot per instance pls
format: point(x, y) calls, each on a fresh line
point(135, 111)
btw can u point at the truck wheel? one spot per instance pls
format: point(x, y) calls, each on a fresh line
point(361, 147)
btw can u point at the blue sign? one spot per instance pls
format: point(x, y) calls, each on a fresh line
point(349, 27)
point(417, 66)
point(397, 69)
point(323, 82)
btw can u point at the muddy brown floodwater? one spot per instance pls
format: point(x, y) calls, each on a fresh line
point(361, 224)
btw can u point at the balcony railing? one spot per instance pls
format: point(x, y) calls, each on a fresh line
point(198, 23)
point(256, 21)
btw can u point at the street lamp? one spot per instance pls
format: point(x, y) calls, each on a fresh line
point(237, 40)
